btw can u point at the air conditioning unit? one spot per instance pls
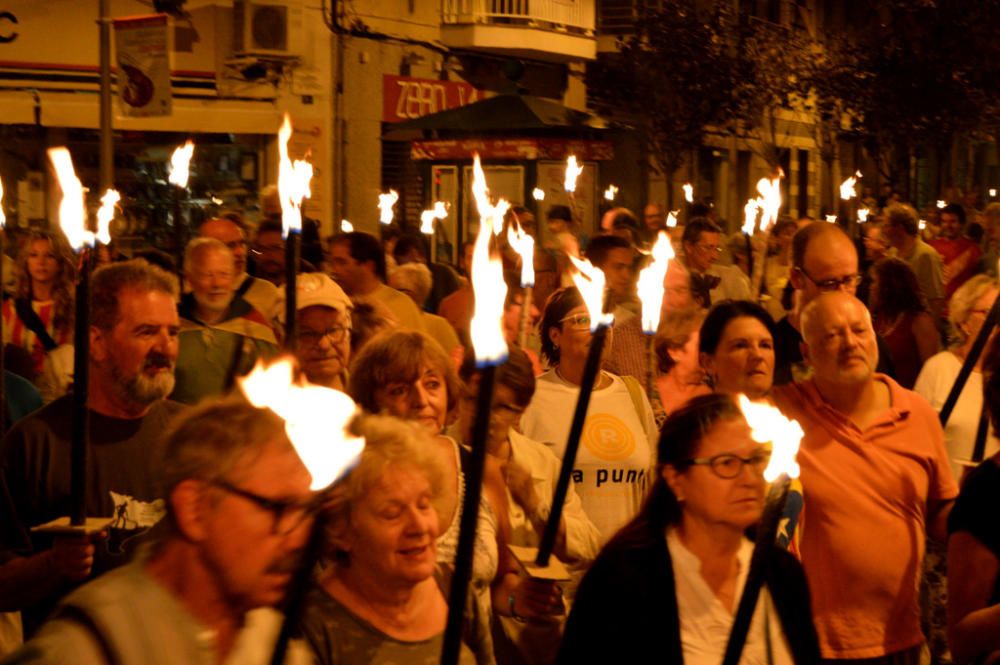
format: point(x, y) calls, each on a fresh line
point(267, 29)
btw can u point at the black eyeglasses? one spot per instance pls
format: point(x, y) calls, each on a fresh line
point(314, 337)
point(834, 283)
point(729, 466)
point(288, 514)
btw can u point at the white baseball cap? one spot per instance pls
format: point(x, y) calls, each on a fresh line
point(315, 288)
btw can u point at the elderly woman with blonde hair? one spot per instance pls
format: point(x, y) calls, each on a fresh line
point(407, 374)
point(967, 312)
point(383, 596)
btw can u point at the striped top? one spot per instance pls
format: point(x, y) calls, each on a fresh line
point(17, 333)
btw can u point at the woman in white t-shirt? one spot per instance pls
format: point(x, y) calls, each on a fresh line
point(967, 311)
point(615, 457)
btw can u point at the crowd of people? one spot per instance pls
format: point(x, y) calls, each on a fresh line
point(858, 332)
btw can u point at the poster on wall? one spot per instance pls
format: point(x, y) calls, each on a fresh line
point(142, 54)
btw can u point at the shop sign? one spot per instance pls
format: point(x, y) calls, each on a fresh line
point(406, 98)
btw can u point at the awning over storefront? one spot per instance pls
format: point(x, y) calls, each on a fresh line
point(503, 114)
point(76, 109)
point(518, 149)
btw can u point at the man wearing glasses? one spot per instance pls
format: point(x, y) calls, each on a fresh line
point(877, 481)
point(238, 514)
point(823, 260)
point(710, 282)
point(324, 319)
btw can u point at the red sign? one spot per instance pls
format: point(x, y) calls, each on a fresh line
point(405, 98)
point(520, 149)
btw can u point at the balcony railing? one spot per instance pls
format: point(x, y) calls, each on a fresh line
point(568, 15)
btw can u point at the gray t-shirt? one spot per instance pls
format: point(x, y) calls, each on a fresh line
point(337, 636)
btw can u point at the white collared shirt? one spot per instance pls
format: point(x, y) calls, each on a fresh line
point(705, 622)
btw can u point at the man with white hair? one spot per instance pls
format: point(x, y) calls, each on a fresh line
point(877, 481)
point(221, 335)
point(260, 293)
point(133, 348)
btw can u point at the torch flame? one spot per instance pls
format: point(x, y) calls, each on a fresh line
point(293, 182)
point(427, 217)
point(650, 284)
point(941, 204)
point(610, 193)
point(672, 218)
point(767, 204)
point(750, 211)
point(847, 191)
point(768, 424)
point(488, 212)
point(179, 163)
point(105, 215)
point(488, 286)
point(572, 173)
point(538, 193)
point(3, 217)
point(311, 413)
point(863, 214)
point(385, 203)
point(346, 226)
point(769, 200)
point(524, 245)
point(590, 282)
point(688, 192)
point(72, 212)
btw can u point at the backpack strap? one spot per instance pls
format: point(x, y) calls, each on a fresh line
point(30, 318)
point(635, 392)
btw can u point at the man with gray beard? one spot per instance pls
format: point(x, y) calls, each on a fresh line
point(133, 350)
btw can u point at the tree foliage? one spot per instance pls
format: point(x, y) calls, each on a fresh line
point(673, 78)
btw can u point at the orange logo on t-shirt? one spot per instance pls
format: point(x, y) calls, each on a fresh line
point(608, 438)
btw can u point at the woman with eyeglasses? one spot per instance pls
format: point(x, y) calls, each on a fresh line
point(669, 582)
point(736, 343)
point(383, 597)
point(407, 374)
point(967, 311)
point(615, 457)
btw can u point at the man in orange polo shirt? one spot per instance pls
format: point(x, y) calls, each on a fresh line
point(876, 480)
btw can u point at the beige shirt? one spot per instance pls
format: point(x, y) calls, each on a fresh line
point(403, 309)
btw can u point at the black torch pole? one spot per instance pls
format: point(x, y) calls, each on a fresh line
point(452, 644)
point(299, 587)
point(81, 359)
point(971, 358)
point(3, 375)
point(292, 244)
point(762, 552)
point(590, 370)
